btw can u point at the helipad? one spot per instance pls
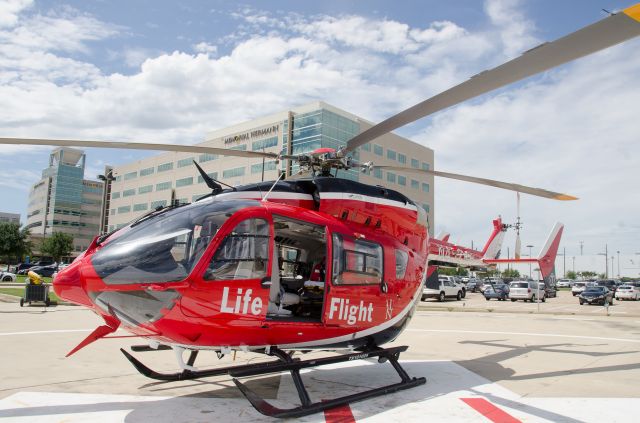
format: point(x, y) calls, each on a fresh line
point(479, 367)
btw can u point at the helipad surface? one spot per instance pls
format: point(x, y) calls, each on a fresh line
point(479, 367)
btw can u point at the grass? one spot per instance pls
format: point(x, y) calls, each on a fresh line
point(19, 292)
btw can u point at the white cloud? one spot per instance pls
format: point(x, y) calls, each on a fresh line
point(10, 10)
point(206, 48)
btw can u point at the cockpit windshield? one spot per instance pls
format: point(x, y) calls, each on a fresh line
point(164, 248)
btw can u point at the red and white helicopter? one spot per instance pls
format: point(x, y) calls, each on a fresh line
point(313, 263)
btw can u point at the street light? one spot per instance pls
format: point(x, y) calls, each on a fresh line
point(107, 178)
point(529, 247)
point(618, 263)
point(606, 261)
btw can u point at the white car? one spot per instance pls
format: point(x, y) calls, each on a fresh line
point(564, 283)
point(628, 292)
point(578, 287)
point(444, 289)
point(7, 277)
point(527, 290)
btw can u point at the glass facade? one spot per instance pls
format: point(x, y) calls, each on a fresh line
point(322, 129)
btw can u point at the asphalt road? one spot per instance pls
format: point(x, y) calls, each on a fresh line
point(534, 357)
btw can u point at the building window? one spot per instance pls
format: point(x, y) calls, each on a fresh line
point(391, 155)
point(426, 207)
point(402, 158)
point(145, 189)
point(266, 143)
point(159, 203)
point(402, 180)
point(130, 175)
point(377, 150)
point(185, 162)
point(270, 165)
point(241, 147)
point(140, 207)
point(184, 182)
point(164, 167)
point(163, 186)
point(213, 175)
point(366, 147)
point(232, 173)
point(425, 187)
point(415, 184)
point(207, 157)
point(118, 178)
point(425, 166)
point(377, 173)
point(115, 195)
point(146, 172)
point(124, 209)
point(415, 163)
point(128, 192)
point(391, 177)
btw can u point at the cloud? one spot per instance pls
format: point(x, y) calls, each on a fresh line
point(10, 11)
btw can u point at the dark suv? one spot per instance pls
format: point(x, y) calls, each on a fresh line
point(610, 284)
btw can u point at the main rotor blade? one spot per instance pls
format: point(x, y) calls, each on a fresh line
point(539, 192)
point(138, 146)
point(598, 36)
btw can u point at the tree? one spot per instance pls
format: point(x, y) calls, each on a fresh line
point(572, 275)
point(14, 242)
point(58, 245)
point(586, 274)
point(511, 273)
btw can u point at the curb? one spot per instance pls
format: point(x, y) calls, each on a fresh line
point(494, 310)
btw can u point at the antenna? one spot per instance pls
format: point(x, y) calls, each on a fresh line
point(272, 187)
point(211, 183)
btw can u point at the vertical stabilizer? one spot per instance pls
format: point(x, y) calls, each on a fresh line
point(547, 256)
point(492, 248)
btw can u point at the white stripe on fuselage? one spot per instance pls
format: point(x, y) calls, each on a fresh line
point(360, 197)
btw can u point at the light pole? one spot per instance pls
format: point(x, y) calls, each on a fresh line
point(574, 264)
point(529, 247)
point(611, 266)
point(106, 190)
point(618, 262)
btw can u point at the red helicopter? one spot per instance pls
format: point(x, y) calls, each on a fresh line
point(310, 263)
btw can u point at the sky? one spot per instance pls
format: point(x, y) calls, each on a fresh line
point(151, 71)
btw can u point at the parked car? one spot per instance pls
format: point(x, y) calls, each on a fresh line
point(7, 277)
point(596, 295)
point(497, 291)
point(472, 285)
point(441, 288)
point(550, 291)
point(564, 283)
point(577, 288)
point(527, 290)
point(456, 281)
point(627, 292)
point(46, 271)
point(23, 268)
point(610, 284)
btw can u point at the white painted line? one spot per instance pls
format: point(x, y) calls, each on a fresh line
point(549, 335)
point(39, 332)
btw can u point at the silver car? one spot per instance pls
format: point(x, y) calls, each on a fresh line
point(527, 291)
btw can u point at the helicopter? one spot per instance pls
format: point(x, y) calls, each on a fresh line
point(313, 262)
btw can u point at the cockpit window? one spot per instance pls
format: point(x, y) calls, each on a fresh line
point(243, 254)
point(164, 248)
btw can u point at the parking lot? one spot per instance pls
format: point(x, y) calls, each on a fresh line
point(564, 303)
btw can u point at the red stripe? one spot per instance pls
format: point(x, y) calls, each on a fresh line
point(489, 410)
point(341, 414)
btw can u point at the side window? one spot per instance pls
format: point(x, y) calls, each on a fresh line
point(356, 262)
point(243, 254)
point(401, 263)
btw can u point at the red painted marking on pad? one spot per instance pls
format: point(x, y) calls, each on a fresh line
point(489, 410)
point(341, 414)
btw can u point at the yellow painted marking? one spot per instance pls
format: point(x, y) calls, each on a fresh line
point(633, 12)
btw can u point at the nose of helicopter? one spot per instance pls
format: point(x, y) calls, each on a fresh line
point(68, 285)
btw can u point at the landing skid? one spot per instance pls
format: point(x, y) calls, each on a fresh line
point(286, 363)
